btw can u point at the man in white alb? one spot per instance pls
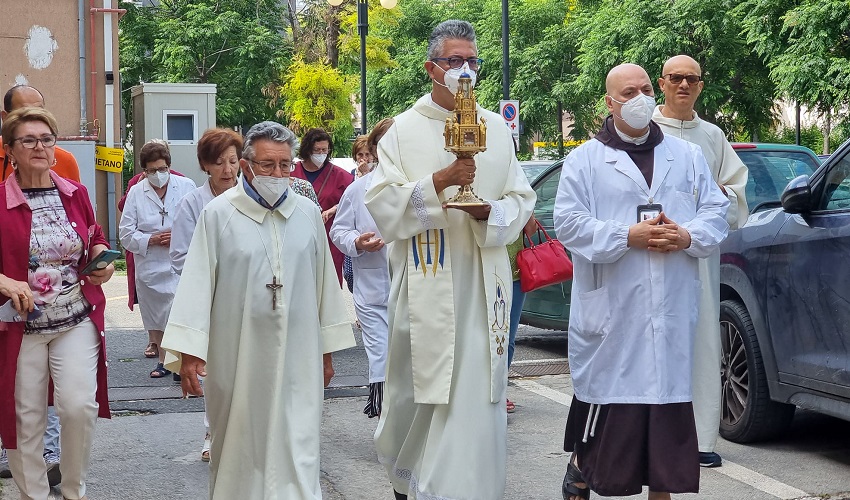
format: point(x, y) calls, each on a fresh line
point(259, 303)
point(443, 427)
point(681, 81)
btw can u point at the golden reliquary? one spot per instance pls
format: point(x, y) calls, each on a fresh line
point(466, 136)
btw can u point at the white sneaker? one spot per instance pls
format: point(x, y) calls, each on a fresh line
point(5, 473)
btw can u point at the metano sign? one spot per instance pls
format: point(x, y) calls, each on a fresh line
point(109, 159)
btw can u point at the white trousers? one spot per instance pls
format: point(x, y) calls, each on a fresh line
point(705, 383)
point(373, 325)
point(70, 357)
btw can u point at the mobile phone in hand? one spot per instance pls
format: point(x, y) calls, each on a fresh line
point(101, 261)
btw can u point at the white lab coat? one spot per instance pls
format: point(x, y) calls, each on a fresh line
point(633, 312)
point(188, 211)
point(141, 219)
point(371, 273)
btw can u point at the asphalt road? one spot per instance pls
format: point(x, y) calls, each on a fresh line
point(150, 450)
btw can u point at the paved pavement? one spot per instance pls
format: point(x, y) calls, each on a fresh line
point(150, 449)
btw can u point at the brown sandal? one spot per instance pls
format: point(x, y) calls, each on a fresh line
point(152, 351)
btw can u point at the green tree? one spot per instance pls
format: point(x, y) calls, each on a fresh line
point(317, 95)
point(538, 52)
point(392, 90)
point(648, 32)
point(806, 45)
point(238, 45)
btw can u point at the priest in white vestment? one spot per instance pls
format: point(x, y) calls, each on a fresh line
point(259, 303)
point(442, 433)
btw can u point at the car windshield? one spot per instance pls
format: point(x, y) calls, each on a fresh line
point(534, 169)
point(771, 171)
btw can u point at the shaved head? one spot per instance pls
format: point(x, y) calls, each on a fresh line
point(626, 72)
point(681, 61)
point(625, 82)
point(680, 97)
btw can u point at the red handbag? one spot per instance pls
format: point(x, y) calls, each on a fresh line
point(543, 264)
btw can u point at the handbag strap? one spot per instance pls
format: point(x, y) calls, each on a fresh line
point(539, 230)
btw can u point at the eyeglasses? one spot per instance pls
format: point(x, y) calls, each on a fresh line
point(456, 62)
point(160, 170)
point(29, 141)
point(676, 78)
point(268, 167)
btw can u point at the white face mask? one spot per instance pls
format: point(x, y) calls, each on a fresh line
point(318, 159)
point(158, 179)
point(637, 111)
point(270, 188)
point(453, 75)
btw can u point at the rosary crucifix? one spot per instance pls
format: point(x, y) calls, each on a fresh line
point(274, 286)
point(163, 213)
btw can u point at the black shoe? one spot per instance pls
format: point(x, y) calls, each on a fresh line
point(569, 488)
point(399, 496)
point(176, 377)
point(709, 459)
point(54, 476)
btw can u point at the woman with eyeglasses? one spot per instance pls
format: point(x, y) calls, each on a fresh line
point(329, 181)
point(48, 233)
point(145, 230)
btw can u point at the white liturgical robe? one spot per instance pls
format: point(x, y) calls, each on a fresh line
point(263, 345)
point(443, 426)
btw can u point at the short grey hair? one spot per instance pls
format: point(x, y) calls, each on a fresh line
point(453, 29)
point(269, 131)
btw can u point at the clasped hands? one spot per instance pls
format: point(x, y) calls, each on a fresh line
point(460, 172)
point(659, 234)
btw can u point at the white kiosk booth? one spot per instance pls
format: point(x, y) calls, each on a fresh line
point(178, 113)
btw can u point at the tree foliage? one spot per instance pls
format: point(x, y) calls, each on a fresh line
point(238, 45)
point(317, 95)
point(806, 45)
point(648, 32)
point(751, 53)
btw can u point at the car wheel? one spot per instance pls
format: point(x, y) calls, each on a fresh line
point(747, 412)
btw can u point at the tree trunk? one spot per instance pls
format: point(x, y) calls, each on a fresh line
point(333, 36)
point(827, 129)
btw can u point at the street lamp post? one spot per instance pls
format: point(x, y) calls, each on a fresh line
point(363, 30)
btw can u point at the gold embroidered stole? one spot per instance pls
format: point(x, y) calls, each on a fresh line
point(429, 273)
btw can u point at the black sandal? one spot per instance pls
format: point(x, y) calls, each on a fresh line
point(569, 489)
point(159, 371)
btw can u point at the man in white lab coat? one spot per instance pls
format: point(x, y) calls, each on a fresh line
point(637, 209)
point(681, 81)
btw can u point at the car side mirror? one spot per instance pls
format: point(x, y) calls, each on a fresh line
point(797, 196)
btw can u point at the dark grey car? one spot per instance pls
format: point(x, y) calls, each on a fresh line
point(785, 310)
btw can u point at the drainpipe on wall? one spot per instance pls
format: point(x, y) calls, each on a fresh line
point(109, 102)
point(81, 21)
